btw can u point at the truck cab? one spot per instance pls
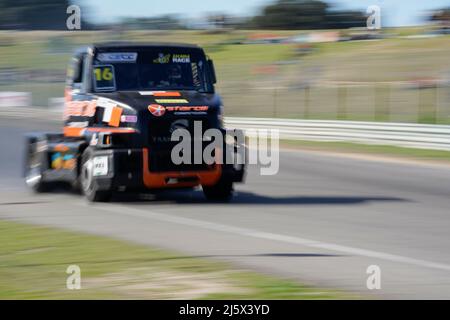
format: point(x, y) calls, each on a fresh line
point(139, 117)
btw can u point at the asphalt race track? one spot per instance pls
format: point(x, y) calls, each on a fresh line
point(321, 220)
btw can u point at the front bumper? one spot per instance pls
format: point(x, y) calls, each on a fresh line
point(128, 169)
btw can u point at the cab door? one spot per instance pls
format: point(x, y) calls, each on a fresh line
point(79, 109)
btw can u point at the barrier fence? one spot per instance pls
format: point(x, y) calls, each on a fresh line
point(424, 136)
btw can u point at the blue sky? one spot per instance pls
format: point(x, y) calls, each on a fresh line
point(393, 12)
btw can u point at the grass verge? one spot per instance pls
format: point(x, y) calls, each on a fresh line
point(366, 149)
point(34, 260)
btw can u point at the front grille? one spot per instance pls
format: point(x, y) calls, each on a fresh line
point(160, 146)
point(160, 130)
point(161, 161)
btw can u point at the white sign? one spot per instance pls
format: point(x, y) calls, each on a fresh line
point(117, 57)
point(100, 166)
point(15, 99)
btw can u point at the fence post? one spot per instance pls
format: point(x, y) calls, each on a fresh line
point(427, 116)
point(306, 103)
point(382, 102)
point(342, 103)
point(434, 109)
point(275, 102)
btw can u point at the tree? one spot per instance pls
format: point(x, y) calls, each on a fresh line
point(442, 15)
point(164, 22)
point(345, 19)
point(305, 14)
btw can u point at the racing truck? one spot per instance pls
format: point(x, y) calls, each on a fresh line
point(123, 105)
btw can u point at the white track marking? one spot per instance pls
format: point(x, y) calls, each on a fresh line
point(151, 215)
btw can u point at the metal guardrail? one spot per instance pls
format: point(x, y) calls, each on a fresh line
point(423, 136)
point(49, 114)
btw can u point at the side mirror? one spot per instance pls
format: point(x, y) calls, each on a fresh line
point(77, 86)
point(212, 72)
point(77, 75)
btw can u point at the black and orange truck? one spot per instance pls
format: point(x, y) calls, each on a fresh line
point(123, 103)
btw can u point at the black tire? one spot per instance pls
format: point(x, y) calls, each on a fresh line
point(33, 169)
point(222, 191)
point(76, 184)
point(88, 187)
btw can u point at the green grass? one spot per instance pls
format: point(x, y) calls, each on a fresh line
point(34, 259)
point(251, 54)
point(378, 150)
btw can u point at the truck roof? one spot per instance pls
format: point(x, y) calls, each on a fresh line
point(106, 46)
point(138, 45)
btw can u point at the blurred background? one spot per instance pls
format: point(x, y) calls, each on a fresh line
point(288, 59)
point(282, 58)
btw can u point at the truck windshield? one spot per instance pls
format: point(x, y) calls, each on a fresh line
point(151, 70)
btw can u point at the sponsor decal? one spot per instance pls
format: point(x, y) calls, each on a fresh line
point(59, 160)
point(112, 116)
point(111, 111)
point(156, 110)
point(100, 166)
point(160, 93)
point(61, 148)
point(80, 108)
point(117, 57)
point(167, 94)
point(78, 124)
point(162, 58)
point(77, 132)
point(161, 139)
point(187, 108)
point(69, 162)
point(181, 58)
point(129, 119)
point(171, 101)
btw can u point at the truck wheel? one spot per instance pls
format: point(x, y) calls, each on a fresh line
point(222, 191)
point(88, 187)
point(33, 169)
